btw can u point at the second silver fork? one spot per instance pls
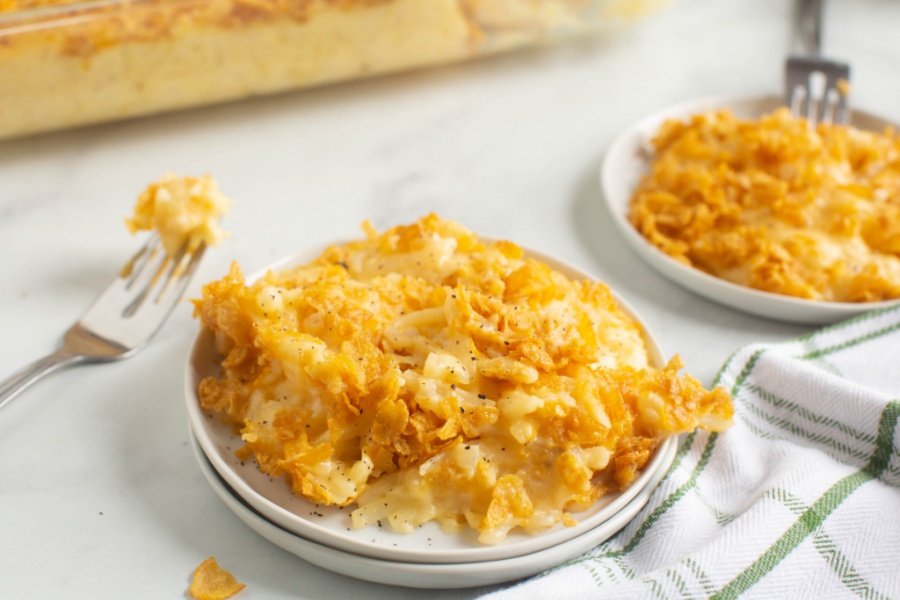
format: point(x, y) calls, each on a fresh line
point(815, 88)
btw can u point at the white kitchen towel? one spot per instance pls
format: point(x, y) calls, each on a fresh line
point(799, 499)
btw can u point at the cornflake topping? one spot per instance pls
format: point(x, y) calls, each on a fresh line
point(183, 211)
point(212, 582)
point(424, 375)
point(777, 206)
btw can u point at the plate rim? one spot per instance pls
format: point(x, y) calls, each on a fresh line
point(297, 524)
point(422, 575)
point(757, 302)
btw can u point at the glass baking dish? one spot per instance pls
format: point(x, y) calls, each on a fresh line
point(67, 63)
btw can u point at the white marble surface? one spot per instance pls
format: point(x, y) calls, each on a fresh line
point(99, 494)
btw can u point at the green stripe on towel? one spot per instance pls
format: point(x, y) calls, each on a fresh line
point(815, 516)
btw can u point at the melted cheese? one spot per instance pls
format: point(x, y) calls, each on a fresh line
point(777, 206)
point(424, 375)
point(184, 212)
point(71, 63)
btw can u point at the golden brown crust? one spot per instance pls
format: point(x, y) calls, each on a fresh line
point(69, 64)
point(775, 206)
point(82, 28)
point(109, 61)
point(423, 362)
point(212, 582)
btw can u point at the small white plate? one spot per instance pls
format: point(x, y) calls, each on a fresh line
point(331, 526)
point(425, 575)
point(627, 160)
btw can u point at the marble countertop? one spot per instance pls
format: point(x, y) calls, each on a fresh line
point(100, 496)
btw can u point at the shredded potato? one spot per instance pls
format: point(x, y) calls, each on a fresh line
point(426, 376)
point(777, 206)
point(184, 212)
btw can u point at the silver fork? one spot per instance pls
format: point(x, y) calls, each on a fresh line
point(816, 88)
point(123, 319)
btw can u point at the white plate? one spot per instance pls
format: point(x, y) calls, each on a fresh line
point(626, 162)
point(425, 575)
point(331, 526)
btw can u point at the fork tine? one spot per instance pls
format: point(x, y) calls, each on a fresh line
point(130, 315)
point(797, 100)
point(182, 272)
point(150, 314)
point(186, 254)
point(815, 87)
point(841, 88)
point(133, 275)
point(814, 90)
point(831, 102)
point(141, 259)
point(145, 280)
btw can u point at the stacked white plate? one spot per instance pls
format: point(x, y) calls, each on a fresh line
point(427, 558)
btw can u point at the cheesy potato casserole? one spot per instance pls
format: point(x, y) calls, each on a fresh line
point(774, 205)
point(425, 375)
point(184, 212)
point(67, 63)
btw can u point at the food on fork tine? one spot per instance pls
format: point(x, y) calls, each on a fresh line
point(425, 375)
point(184, 212)
point(774, 205)
point(843, 86)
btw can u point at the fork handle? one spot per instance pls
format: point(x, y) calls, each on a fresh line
point(21, 379)
point(809, 26)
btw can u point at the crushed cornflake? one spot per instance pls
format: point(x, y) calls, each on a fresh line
point(212, 582)
point(424, 375)
point(776, 205)
point(184, 211)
